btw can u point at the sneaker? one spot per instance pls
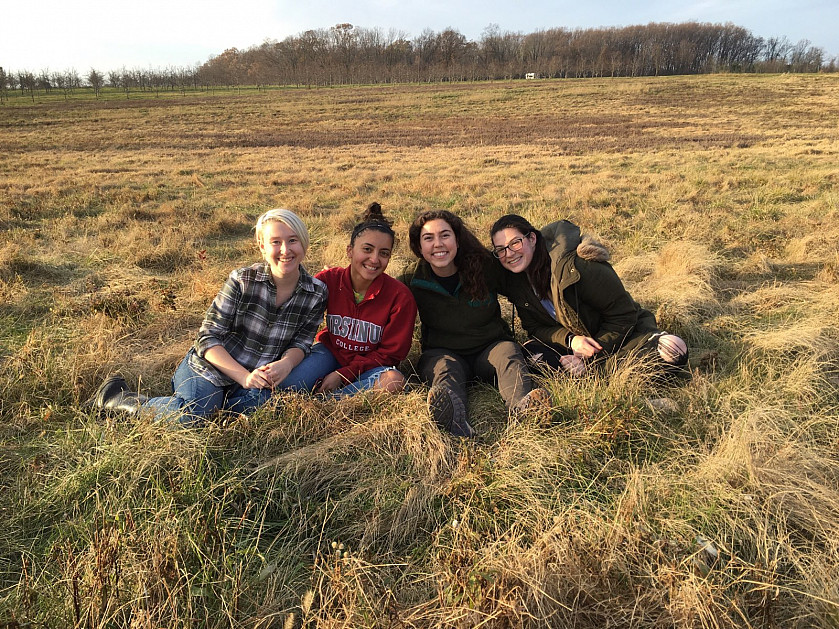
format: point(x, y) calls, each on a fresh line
point(449, 412)
point(663, 405)
point(536, 360)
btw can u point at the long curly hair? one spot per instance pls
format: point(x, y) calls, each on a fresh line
point(539, 269)
point(471, 255)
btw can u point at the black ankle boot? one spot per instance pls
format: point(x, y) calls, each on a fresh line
point(126, 402)
point(112, 386)
point(114, 395)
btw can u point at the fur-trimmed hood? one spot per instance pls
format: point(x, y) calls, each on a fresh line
point(593, 250)
point(564, 236)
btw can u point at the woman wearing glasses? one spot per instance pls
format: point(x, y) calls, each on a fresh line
point(571, 302)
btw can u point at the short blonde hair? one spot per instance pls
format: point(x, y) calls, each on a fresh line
point(288, 218)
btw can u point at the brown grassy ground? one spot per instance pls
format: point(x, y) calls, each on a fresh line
point(718, 197)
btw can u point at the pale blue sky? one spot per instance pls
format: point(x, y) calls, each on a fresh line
point(110, 34)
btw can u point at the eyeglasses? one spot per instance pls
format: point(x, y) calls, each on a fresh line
point(515, 245)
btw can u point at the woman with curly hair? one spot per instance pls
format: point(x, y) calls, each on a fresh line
point(463, 336)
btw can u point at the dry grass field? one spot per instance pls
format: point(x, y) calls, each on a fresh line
point(719, 198)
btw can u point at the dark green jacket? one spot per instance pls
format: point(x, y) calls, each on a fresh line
point(589, 298)
point(456, 322)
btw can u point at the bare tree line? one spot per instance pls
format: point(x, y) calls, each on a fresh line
point(68, 82)
point(345, 54)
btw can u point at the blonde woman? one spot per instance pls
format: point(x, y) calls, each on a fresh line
point(257, 330)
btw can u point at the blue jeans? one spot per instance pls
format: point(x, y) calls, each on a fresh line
point(195, 398)
point(319, 363)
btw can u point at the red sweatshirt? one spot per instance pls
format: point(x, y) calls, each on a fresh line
point(375, 333)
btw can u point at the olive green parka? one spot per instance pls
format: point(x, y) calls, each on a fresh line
point(589, 298)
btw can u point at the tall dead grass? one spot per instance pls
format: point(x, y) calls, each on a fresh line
point(708, 504)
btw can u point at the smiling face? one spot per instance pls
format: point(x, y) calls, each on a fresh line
point(506, 240)
point(282, 249)
point(369, 256)
point(438, 245)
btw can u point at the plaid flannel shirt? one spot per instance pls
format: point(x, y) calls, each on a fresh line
point(244, 320)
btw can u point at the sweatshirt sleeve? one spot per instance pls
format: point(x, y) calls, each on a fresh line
point(397, 336)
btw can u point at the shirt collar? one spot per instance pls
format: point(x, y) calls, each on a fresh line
point(305, 282)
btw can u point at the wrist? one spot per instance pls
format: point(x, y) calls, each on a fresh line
point(292, 359)
point(569, 339)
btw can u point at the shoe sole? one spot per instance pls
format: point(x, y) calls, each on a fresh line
point(449, 412)
point(537, 399)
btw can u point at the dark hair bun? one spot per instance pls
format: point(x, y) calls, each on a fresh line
point(375, 220)
point(374, 214)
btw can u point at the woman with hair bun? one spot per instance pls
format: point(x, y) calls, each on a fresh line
point(369, 319)
point(257, 330)
point(572, 303)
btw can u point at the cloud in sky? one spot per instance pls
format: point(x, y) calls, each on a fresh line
point(110, 34)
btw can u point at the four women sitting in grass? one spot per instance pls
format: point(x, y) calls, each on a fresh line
point(572, 303)
point(369, 319)
point(463, 335)
point(257, 335)
point(257, 330)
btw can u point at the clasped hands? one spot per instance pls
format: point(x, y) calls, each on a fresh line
point(268, 376)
